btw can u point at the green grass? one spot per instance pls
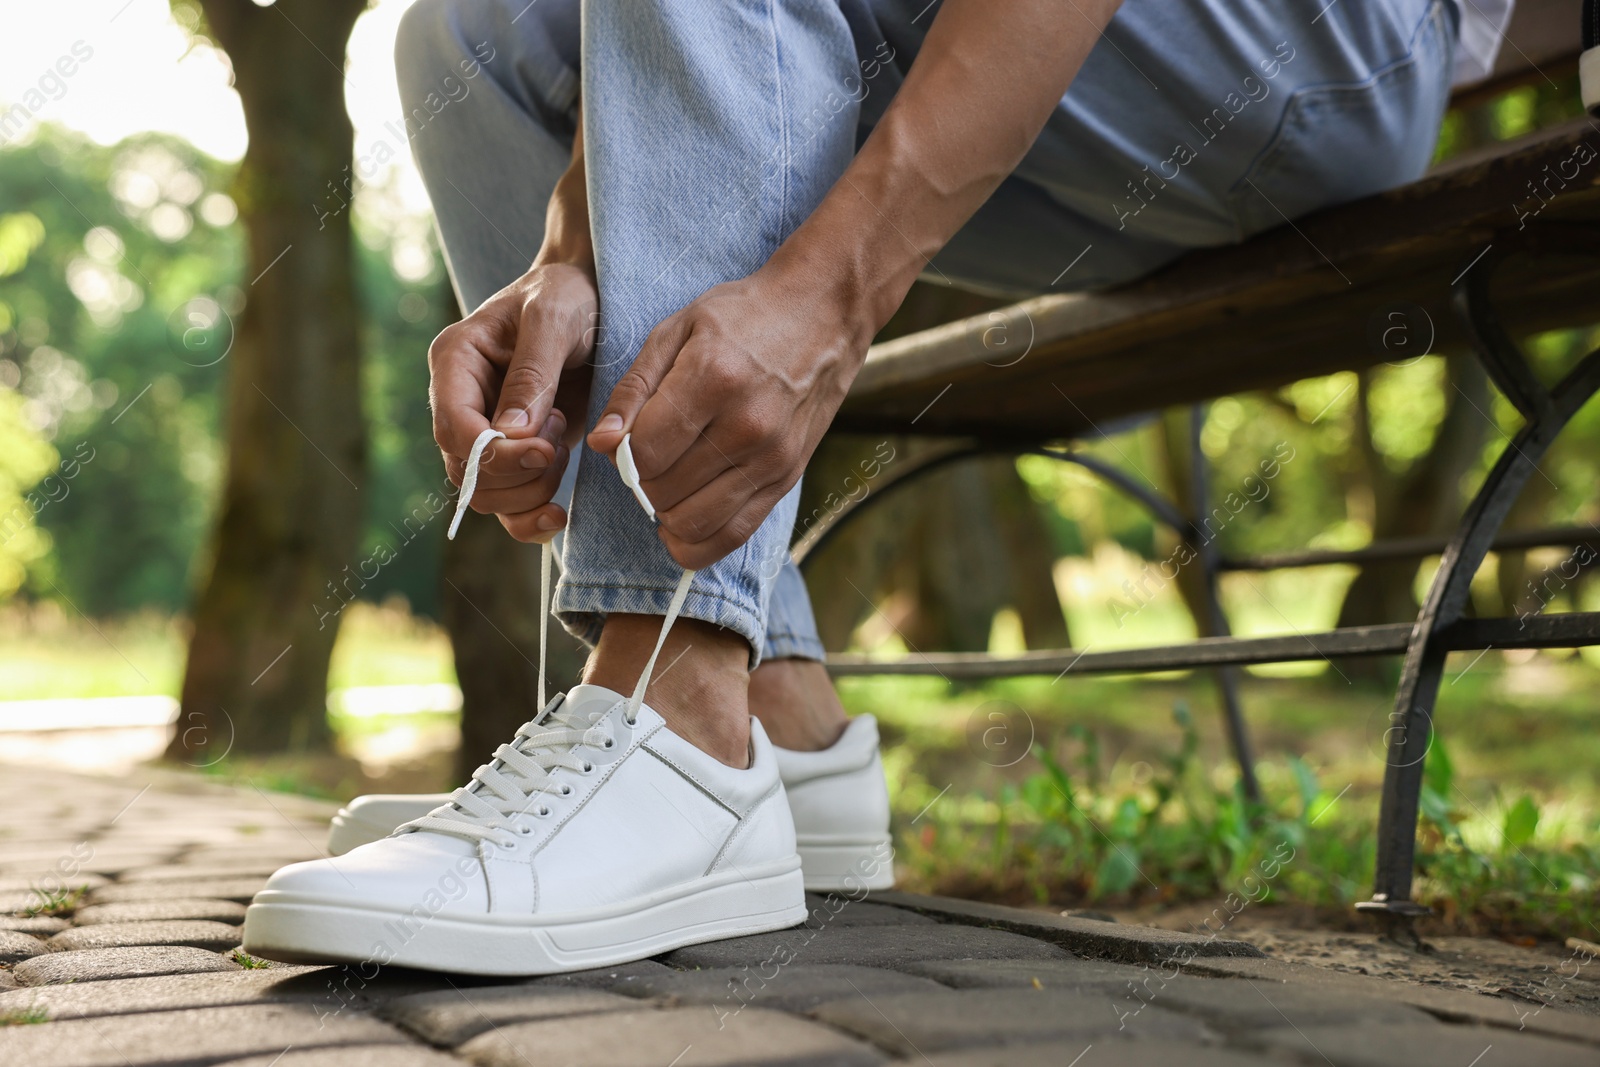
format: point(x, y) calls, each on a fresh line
point(56, 902)
point(389, 646)
point(1090, 789)
point(23, 1016)
point(1130, 805)
point(49, 653)
point(247, 961)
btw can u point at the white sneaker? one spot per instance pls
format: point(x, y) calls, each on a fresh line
point(840, 807)
point(837, 797)
point(590, 840)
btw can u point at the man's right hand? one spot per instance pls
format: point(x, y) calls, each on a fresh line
point(520, 363)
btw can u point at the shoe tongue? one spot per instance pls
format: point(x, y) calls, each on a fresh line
point(588, 704)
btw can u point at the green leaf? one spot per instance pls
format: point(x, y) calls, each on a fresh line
point(1521, 820)
point(1306, 779)
point(1438, 773)
point(1125, 823)
point(1117, 871)
point(1056, 774)
point(1437, 809)
point(20, 234)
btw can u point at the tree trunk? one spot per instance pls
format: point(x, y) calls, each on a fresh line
point(957, 547)
point(284, 557)
point(489, 606)
point(1425, 500)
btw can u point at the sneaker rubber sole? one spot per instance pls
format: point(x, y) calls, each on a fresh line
point(834, 863)
point(299, 928)
point(829, 863)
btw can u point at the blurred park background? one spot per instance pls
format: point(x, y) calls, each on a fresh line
point(222, 519)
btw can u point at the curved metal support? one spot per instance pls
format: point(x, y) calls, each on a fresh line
point(1499, 354)
point(1161, 508)
point(1410, 724)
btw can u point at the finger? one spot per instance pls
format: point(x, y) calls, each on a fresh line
point(698, 554)
point(506, 462)
point(456, 470)
point(545, 337)
point(656, 357)
point(537, 525)
point(687, 405)
point(462, 374)
point(696, 469)
point(525, 497)
point(709, 509)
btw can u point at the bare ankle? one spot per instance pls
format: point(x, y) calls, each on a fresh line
point(700, 683)
point(797, 705)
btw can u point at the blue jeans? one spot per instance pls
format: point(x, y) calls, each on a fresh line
point(712, 129)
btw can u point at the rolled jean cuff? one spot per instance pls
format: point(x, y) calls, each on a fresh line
point(582, 608)
point(791, 626)
point(793, 646)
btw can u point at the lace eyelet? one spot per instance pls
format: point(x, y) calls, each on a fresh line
point(543, 813)
point(566, 790)
point(588, 768)
point(525, 831)
point(609, 743)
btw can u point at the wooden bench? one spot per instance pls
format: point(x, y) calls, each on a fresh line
point(1464, 260)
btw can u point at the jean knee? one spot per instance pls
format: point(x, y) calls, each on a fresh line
point(430, 38)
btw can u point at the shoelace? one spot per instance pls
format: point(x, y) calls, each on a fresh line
point(519, 776)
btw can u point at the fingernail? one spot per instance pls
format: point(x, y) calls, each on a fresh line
point(608, 423)
point(547, 522)
point(534, 461)
point(512, 418)
point(551, 424)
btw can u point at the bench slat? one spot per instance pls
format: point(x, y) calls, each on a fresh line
point(1288, 304)
point(1568, 630)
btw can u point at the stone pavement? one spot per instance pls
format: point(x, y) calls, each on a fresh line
point(121, 903)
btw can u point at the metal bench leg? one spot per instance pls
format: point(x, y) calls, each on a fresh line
point(1162, 510)
point(1227, 678)
point(1411, 723)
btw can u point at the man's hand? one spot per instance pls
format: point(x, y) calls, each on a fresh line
point(518, 362)
point(728, 397)
point(726, 402)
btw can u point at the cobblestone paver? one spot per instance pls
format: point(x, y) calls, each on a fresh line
point(218, 937)
point(122, 902)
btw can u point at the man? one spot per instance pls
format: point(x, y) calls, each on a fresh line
point(744, 190)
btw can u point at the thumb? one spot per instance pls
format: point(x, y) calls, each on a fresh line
point(528, 389)
point(638, 385)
